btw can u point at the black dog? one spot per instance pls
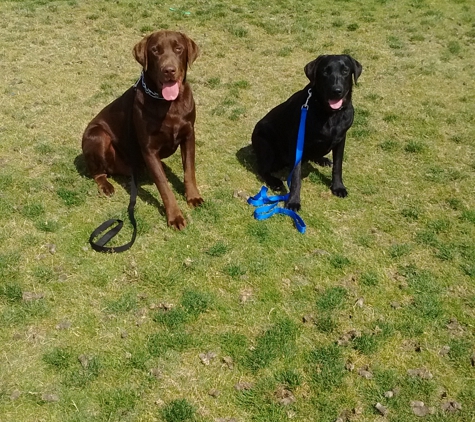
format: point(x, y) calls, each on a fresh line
point(330, 115)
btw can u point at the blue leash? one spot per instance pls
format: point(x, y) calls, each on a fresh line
point(268, 205)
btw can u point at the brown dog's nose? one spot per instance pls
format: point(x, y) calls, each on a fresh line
point(169, 70)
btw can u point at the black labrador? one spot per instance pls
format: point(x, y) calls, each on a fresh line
point(330, 115)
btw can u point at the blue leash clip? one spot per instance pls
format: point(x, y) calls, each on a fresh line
point(266, 205)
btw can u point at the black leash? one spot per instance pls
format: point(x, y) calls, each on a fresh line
point(99, 244)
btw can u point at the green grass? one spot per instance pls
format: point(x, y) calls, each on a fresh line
point(178, 411)
point(382, 281)
point(277, 341)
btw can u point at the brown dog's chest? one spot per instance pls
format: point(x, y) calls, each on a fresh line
point(164, 125)
point(167, 137)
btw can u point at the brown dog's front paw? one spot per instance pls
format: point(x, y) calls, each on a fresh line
point(177, 222)
point(195, 202)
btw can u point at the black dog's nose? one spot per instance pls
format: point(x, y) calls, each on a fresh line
point(169, 70)
point(337, 90)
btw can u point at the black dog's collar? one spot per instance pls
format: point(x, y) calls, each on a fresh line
point(147, 90)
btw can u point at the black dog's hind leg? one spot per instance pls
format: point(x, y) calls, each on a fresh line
point(265, 161)
point(293, 202)
point(273, 182)
point(324, 162)
point(337, 186)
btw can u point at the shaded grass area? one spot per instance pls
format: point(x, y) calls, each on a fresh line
point(234, 318)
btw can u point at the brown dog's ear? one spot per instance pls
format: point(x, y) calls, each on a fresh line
point(192, 49)
point(140, 52)
point(311, 68)
point(356, 68)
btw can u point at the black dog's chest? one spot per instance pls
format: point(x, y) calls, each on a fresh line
point(322, 132)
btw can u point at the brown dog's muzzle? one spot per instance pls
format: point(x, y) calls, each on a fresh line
point(171, 78)
point(169, 73)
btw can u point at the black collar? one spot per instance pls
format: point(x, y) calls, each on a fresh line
point(147, 90)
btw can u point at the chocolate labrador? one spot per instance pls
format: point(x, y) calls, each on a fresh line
point(149, 122)
point(330, 115)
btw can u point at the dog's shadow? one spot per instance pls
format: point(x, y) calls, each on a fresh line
point(247, 159)
point(143, 179)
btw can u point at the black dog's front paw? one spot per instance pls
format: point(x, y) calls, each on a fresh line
point(293, 206)
point(339, 191)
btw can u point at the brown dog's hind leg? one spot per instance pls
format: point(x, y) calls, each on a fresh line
point(100, 157)
point(104, 185)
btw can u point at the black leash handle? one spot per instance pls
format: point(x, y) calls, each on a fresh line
point(99, 245)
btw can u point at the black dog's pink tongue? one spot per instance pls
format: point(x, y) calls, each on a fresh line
point(170, 90)
point(335, 104)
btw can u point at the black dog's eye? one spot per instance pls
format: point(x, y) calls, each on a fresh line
point(345, 71)
point(327, 72)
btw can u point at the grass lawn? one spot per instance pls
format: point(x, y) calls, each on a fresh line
point(369, 313)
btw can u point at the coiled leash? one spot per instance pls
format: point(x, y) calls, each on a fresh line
point(99, 244)
point(268, 205)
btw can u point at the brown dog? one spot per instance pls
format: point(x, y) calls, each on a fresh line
point(149, 121)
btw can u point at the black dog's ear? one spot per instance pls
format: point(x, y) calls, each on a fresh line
point(356, 68)
point(140, 52)
point(311, 68)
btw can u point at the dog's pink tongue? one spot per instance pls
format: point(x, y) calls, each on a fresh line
point(170, 90)
point(335, 104)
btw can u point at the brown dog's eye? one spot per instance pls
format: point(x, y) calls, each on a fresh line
point(178, 49)
point(154, 50)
